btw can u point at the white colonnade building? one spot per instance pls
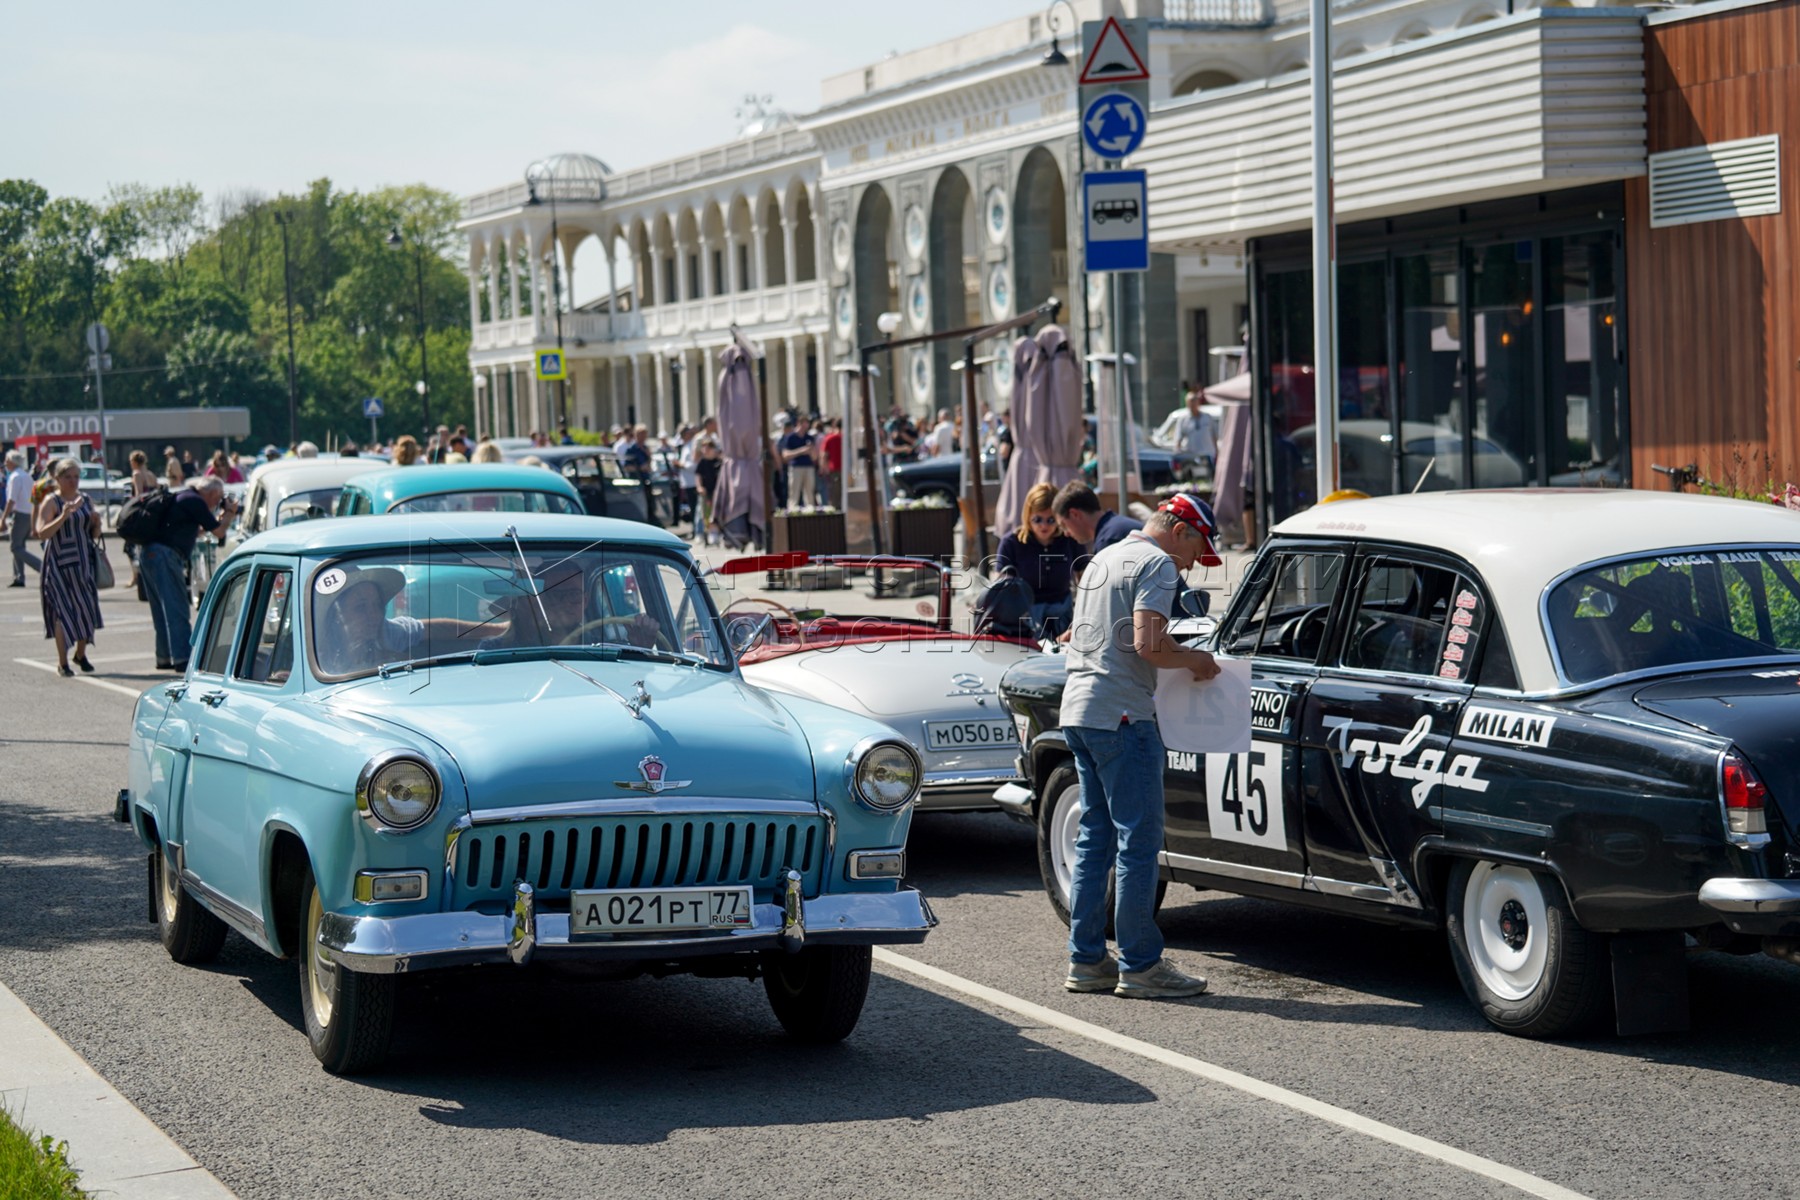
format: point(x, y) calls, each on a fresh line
point(694, 246)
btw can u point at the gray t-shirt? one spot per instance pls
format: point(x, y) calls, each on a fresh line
point(1108, 682)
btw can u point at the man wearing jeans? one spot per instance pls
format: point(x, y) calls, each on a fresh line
point(1120, 636)
point(204, 507)
point(15, 516)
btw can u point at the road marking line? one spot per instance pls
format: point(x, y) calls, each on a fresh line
point(1342, 1117)
point(120, 688)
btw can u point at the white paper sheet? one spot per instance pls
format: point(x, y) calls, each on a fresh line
point(1206, 718)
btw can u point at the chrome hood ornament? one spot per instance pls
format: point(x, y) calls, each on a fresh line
point(638, 703)
point(653, 770)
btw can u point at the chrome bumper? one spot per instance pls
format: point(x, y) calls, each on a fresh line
point(965, 790)
point(396, 945)
point(1015, 800)
point(1765, 906)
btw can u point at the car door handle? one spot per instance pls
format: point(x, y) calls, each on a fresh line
point(1439, 702)
point(175, 691)
point(212, 699)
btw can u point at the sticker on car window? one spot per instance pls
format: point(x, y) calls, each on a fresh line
point(329, 581)
point(1459, 636)
point(1465, 599)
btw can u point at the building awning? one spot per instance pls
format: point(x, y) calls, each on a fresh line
point(1534, 102)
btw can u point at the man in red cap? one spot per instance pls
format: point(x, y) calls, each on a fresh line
point(1120, 637)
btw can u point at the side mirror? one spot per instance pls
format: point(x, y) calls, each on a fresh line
point(1196, 602)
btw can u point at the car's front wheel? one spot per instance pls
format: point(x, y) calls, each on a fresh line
point(1059, 827)
point(1522, 957)
point(349, 1016)
point(189, 933)
point(818, 993)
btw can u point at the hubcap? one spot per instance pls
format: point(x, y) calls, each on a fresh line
point(321, 972)
point(1503, 917)
point(1065, 828)
point(167, 889)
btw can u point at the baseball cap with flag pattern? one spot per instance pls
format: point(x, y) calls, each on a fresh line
point(1197, 515)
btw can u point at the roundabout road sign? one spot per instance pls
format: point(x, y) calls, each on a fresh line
point(1113, 125)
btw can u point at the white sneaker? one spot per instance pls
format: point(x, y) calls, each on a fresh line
point(1164, 981)
point(1102, 976)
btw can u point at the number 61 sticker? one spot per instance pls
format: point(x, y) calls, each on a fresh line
point(1243, 797)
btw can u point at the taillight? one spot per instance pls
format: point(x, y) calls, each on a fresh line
point(1743, 794)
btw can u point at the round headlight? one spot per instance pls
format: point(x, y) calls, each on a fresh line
point(400, 793)
point(887, 776)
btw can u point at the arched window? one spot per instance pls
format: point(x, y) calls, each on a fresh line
point(1205, 80)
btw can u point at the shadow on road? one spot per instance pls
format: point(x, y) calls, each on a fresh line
point(971, 854)
point(68, 880)
point(630, 1063)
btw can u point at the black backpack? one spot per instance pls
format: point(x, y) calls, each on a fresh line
point(144, 517)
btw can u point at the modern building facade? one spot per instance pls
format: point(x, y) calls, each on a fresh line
point(1522, 302)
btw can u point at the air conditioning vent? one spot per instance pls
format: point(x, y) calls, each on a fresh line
point(1712, 183)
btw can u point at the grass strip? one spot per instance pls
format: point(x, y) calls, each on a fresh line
point(35, 1168)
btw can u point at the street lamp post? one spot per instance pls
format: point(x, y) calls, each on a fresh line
point(1054, 57)
point(284, 217)
point(423, 387)
point(548, 173)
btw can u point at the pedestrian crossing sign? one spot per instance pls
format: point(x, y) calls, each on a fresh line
point(550, 365)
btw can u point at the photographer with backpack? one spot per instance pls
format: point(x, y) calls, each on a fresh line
point(184, 515)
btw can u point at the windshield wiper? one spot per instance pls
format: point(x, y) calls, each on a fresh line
point(388, 670)
point(607, 651)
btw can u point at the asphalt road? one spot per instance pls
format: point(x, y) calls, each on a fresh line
point(526, 1083)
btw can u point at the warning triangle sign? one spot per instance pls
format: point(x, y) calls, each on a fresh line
point(1113, 59)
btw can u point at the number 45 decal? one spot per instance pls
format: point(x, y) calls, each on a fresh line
point(1243, 797)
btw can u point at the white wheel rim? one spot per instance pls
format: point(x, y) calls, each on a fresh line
point(1504, 924)
point(321, 972)
point(167, 889)
point(1065, 828)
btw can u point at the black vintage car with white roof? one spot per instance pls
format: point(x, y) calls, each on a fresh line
point(1562, 726)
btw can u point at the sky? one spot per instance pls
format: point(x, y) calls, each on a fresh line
point(458, 95)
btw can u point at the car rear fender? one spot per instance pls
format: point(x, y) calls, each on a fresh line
point(1435, 857)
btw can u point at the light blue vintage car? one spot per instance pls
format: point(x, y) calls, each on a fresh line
point(458, 488)
point(409, 742)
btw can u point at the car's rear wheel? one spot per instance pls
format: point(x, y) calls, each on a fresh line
point(1059, 827)
point(349, 1016)
point(1523, 959)
point(189, 933)
point(818, 993)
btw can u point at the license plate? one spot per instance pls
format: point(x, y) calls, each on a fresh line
point(658, 910)
point(969, 735)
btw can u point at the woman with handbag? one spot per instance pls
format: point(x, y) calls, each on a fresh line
point(68, 526)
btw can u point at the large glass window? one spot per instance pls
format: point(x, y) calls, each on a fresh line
point(1431, 377)
point(1464, 361)
point(1414, 619)
point(1504, 448)
point(216, 655)
point(1581, 354)
point(1288, 422)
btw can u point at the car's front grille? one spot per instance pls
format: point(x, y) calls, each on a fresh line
point(557, 857)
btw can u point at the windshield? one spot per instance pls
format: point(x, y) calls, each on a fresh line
point(304, 506)
point(1698, 607)
point(511, 500)
point(402, 605)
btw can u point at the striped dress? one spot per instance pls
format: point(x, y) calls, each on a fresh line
point(71, 602)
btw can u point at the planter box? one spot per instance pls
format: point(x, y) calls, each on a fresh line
point(814, 533)
point(923, 532)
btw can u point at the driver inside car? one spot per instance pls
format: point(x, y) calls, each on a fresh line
point(562, 620)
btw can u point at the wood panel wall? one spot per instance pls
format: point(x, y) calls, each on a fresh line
point(1714, 317)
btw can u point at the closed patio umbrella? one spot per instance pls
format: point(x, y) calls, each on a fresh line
point(738, 503)
point(1046, 421)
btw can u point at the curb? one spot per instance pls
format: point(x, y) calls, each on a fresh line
point(48, 1088)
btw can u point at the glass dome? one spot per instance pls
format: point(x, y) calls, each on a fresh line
point(568, 178)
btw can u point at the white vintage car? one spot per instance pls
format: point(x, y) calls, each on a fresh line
point(934, 686)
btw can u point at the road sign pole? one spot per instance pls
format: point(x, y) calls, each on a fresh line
point(1124, 414)
point(100, 400)
point(374, 438)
